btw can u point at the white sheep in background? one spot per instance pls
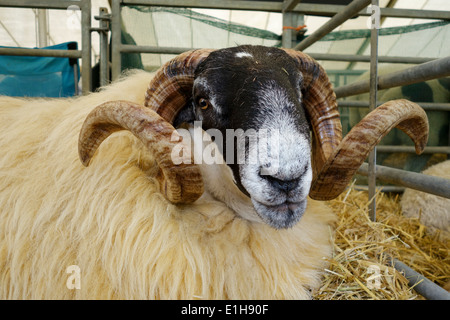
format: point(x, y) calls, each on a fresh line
point(433, 211)
point(136, 226)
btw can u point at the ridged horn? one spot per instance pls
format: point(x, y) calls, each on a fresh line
point(336, 160)
point(180, 183)
point(168, 92)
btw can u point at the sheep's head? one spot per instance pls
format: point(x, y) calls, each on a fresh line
point(265, 104)
point(281, 93)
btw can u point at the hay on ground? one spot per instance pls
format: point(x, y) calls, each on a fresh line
point(360, 267)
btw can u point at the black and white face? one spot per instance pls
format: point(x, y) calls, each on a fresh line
point(252, 96)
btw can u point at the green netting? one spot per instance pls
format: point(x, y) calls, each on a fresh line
point(365, 33)
point(427, 40)
point(213, 21)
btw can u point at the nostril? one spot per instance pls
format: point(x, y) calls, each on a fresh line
point(285, 185)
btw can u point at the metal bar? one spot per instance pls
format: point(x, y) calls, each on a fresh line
point(289, 36)
point(426, 71)
point(286, 36)
point(103, 33)
point(317, 56)
point(410, 13)
point(427, 106)
point(422, 182)
point(288, 5)
point(116, 42)
point(348, 12)
point(331, 10)
point(129, 48)
point(43, 4)
point(42, 28)
point(411, 149)
point(75, 78)
point(360, 58)
point(211, 4)
point(372, 105)
point(381, 188)
point(86, 70)
point(422, 285)
point(76, 54)
point(272, 6)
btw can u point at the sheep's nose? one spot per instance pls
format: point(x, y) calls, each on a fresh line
point(282, 185)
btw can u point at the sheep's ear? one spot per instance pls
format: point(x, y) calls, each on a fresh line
point(180, 182)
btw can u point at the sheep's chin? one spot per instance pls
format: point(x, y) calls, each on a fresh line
point(280, 216)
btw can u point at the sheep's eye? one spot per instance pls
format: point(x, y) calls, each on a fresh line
point(203, 103)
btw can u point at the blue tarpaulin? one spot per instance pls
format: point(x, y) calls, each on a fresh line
point(38, 76)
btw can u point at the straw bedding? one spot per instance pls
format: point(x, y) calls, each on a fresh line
point(360, 267)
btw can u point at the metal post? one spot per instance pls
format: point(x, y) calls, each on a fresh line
point(269, 6)
point(75, 54)
point(289, 36)
point(75, 78)
point(86, 77)
point(348, 12)
point(116, 42)
point(103, 31)
point(42, 28)
point(373, 104)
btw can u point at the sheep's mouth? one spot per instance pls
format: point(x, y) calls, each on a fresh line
point(280, 216)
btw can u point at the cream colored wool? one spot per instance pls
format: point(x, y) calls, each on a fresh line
point(433, 211)
point(110, 220)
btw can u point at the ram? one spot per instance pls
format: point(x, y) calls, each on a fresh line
point(136, 224)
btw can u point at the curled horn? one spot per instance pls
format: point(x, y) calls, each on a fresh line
point(356, 145)
point(336, 160)
point(168, 92)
